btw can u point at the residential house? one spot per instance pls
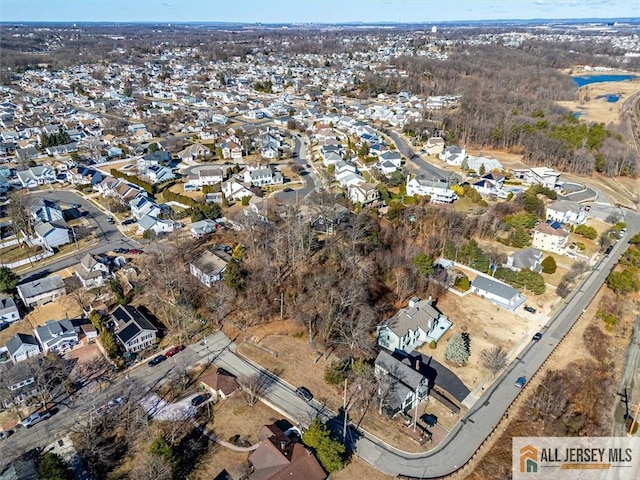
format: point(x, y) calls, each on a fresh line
point(263, 176)
point(412, 326)
point(27, 153)
point(52, 234)
point(564, 211)
point(330, 157)
point(203, 227)
point(434, 146)
point(142, 206)
point(325, 220)
point(34, 176)
point(234, 190)
point(497, 292)
point(9, 312)
point(22, 346)
point(209, 267)
point(133, 330)
point(219, 383)
point(60, 150)
point(159, 157)
point(544, 176)
point(158, 225)
point(159, 174)
point(491, 183)
point(114, 152)
point(194, 152)
point(205, 176)
point(363, 193)
point(280, 456)
point(231, 150)
point(529, 258)
point(91, 272)
point(41, 291)
point(392, 157)
point(550, 237)
point(481, 164)
point(57, 336)
point(19, 379)
point(453, 155)
point(401, 382)
point(437, 190)
point(44, 210)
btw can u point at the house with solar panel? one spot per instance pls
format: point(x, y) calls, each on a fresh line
point(132, 329)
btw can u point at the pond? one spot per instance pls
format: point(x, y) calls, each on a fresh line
point(588, 79)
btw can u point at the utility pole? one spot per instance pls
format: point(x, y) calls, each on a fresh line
point(281, 304)
point(75, 239)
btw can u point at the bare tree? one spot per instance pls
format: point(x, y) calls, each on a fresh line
point(152, 467)
point(254, 386)
point(494, 359)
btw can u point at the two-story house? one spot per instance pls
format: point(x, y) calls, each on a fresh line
point(205, 176)
point(56, 336)
point(363, 193)
point(210, 266)
point(41, 291)
point(564, 211)
point(402, 384)
point(133, 330)
point(438, 191)
point(91, 272)
point(9, 312)
point(550, 237)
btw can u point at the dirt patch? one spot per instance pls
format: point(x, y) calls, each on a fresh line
point(359, 470)
point(64, 307)
point(90, 364)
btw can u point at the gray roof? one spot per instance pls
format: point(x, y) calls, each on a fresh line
point(41, 286)
point(527, 258)
point(211, 263)
point(52, 331)
point(20, 339)
point(204, 226)
point(130, 322)
point(412, 318)
point(7, 303)
point(565, 206)
point(499, 289)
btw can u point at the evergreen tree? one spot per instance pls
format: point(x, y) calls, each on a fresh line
point(8, 280)
point(424, 264)
point(457, 350)
point(549, 265)
point(52, 467)
point(330, 452)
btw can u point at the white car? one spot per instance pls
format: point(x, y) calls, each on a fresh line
point(34, 418)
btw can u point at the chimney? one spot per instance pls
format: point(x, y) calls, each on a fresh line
point(417, 364)
point(283, 444)
point(413, 301)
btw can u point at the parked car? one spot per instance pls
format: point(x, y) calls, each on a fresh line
point(129, 221)
point(6, 434)
point(174, 350)
point(537, 336)
point(530, 309)
point(521, 381)
point(156, 360)
point(75, 205)
point(608, 250)
point(135, 251)
point(121, 251)
point(200, 399)
point(304, 392)
point(115, 403)
point(288, 189)
point(110, 220)
point(34, 418)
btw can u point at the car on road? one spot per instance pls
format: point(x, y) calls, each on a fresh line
point(530, 309)
point(121, 250)
point(537, 336)
point(34, 418)
point(110, 221)
point(303, 392)
point(521, 381)
point(200, 399)
point(288, 190)
point(5, 434)
point(156, 360)
point(75, 205)
point(173, 351)
point(135, 251)
point(608, 250)
point(115, 403)
point(128, 221)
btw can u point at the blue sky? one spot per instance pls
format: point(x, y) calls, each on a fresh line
point(320, 11)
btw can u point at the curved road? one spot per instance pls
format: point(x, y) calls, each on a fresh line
point(300, 149)
point(408, 152)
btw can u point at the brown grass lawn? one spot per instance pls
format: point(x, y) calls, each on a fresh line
point(21, 326)
point(62, 308)
point(232, 416)
point(359, 470)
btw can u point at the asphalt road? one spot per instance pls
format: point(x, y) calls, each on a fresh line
point(408, 152)
point(307, 174)
point(109, 236)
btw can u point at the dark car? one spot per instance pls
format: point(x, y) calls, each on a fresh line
point(537, 336)
point(200, 399)
point(174, 350)
point(608, 250)
point(156, 360)
point(128, 221)
point(288, 189)
point(110, 220)
point(6, 434)
point(530, 309)
point(521, 381)
point(430, 419)
point(121, 250)
point(75, 205)
point(304, 392)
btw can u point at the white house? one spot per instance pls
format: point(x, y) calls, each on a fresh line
point(434, 146)
point(412, 326)
point(203, 227)
point(9, 312)
point(91, 272)
point(407, 385)
point(142, 206)
point(57, 336)
point(529, 258)
point(544, 176)
point(210, 266)
point(497, 292)
point(205, 176)
point(133, 330)
point(438, 191)
point(34, 176)
point(550, 237)
point(235, 190)
point(159, 174)
point(263, 176)
point(158, 225)
point(52, 234)
point(363, 193)
point(453, 155)
point(564, 211)
point(22, 346)
point(42, 291)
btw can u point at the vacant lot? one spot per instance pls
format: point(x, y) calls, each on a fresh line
point(488, 326)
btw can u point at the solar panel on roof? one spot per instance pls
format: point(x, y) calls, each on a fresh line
point(121, 315)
